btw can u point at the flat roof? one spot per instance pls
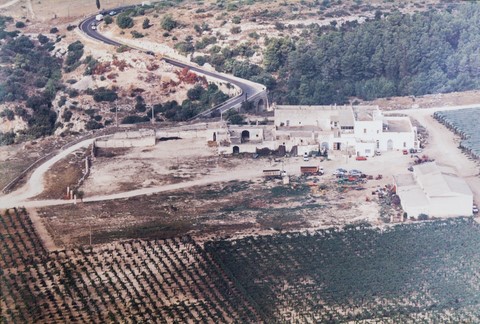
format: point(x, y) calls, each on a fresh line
point(438, 184)
point(398, 126)
point(365, 113)
point(309, 107)
point(404, 180)
point(413, 197)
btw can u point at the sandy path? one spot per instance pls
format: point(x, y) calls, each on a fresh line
point(443, 146)
point(30, 9)
point(41, 230)
point(8, 4)
point(219, 177)
point(35, 185)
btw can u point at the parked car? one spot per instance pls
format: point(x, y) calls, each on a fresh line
point(305, 158)
point(405, 152)
point(355, 172)
point(112, 13)
point(412, 150)
point(340, 172)
point(378, 153)
point(475, 209)
point(361, 158)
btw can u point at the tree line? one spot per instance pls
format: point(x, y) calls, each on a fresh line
point(394, 55)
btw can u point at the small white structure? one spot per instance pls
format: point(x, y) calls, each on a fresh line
point(434, 191)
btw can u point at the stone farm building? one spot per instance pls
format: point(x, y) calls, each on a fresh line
point(357, 130)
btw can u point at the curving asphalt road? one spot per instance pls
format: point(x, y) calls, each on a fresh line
point(249, 89)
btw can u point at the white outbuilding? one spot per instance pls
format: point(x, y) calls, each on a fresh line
point(435, 191)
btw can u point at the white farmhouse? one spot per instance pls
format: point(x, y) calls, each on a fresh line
point(358, 130)
point(376, 132)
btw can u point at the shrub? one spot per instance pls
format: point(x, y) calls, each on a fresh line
point(21, 112)
point(108, 19)
point(136, 34)
point(75, 53)
point(197, 28)
point(19, 24)
point(103, 94)
point(124, 21)
point(168, 23)
point(122, 48)
point(92, 124)
point(195, 93)
point(72, 93)
point(7, 138)
point(200, 60)
point(42, 39)
point(184, 47)
point(279, 25)
point(236, 20)
point(67, 115)
point(146, 23)
point(235, 30)
point(140, 105)
point(235, 118)
point(133, 119)
point(7, 113)
point(53, 30)
point(422, 217)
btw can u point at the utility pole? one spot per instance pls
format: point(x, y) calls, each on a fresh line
point(346, 150)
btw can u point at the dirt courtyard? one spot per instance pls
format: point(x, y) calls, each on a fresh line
point(207, 195)
point(184, 160)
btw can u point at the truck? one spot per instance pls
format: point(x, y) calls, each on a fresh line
point(99, 17)
point(311, 170)
point(274, 173)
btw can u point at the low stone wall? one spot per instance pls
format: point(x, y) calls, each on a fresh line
point(139, 138)
point(184, 134)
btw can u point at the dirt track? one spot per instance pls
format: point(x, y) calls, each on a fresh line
point(443, 146)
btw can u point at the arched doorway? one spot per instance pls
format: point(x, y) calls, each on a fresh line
point(389, 145)
point(260, 105)
point(245, 136)
point(236, 150)
point(214, 136)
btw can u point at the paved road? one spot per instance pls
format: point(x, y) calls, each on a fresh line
point(249, 90)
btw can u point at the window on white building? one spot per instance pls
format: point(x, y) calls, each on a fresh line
point(404, 144)
point(364, 130)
